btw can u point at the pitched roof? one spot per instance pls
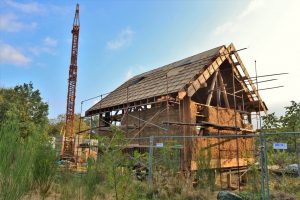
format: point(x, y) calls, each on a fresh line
point(160, 81)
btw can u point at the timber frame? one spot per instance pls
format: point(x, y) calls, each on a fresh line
point(230, 53)
point(184, 101)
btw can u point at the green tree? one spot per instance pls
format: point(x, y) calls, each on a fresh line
point(291, 119)
point(27, 159)
point(289, 122)
point(24, 105)
point(114, 166)
point(271, 122)
point(56, 125)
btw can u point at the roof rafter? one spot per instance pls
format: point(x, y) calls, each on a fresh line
point(181, 78)
point(232, 51)
point(204, 76)
point(225, 54)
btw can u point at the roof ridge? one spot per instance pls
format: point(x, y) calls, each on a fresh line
point(197, 54)
point(153, 82)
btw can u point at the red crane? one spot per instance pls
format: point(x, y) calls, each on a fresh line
point(68, 138)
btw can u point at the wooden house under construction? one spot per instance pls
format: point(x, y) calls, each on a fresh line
point(208, 94)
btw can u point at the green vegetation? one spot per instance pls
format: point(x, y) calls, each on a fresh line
point(289, 122)
point(15, 162)
point(56, 125)
point(204, 175)
point(27, 162)
point(29, 169)
point(24, 106)
point(282, 182)
point(44, 169)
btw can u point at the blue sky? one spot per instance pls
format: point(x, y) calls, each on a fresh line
point(119, 39)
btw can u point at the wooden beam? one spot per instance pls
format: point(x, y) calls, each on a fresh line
point(146, 123)
point(229, 180)
point(181, 94)
point(209, 124)
point(227, 53)
point(224, 92)
point(218, 126)
point(211, 88)
point(188, 116)
point(232, 49)
point(206, 74)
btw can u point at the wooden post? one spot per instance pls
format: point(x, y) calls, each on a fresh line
point(189, 110)
point(186, 129)
point(211, 89)
point(229, 180)
point(224, 93)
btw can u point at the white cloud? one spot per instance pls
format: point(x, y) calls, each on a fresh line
point(37, 50)
point(123, 39)
point(10, 55)
point(252, 6)
point(231, 26)
point(41, 65)
point(10, 23)
point(133, 71)
point(31, 7)
point(48, 41)
point(47, 46)
point(129, 74)
point(270, 31)
point(95, 101)
point(228, 26)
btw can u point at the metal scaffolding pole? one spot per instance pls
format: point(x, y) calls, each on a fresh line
point(150, 178)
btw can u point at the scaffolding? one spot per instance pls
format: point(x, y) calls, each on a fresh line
point(238, 87)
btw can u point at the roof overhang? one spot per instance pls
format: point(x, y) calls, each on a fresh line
point(238, 68)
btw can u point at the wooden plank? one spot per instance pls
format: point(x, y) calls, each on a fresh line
point(181, 94)
point(211, 89)
point(229, 180)
point(227, 53)
point(191, 90)
point(232, 49)
point(218, 126)
point(225, 163)
point(186, 131)
point(204, 76)
point(224, 92)
point(197, 84)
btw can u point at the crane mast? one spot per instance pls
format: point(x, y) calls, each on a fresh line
point(68, 138)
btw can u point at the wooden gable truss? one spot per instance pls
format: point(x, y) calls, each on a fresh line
point(230, 54)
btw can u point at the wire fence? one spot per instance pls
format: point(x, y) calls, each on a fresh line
point(255, 165)
point(282, 162)
point(205, 164)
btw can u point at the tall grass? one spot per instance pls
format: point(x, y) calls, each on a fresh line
point(15, 163)
point(44, 169)
point(27, 167)
point(26, 164)
point(204, 174)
